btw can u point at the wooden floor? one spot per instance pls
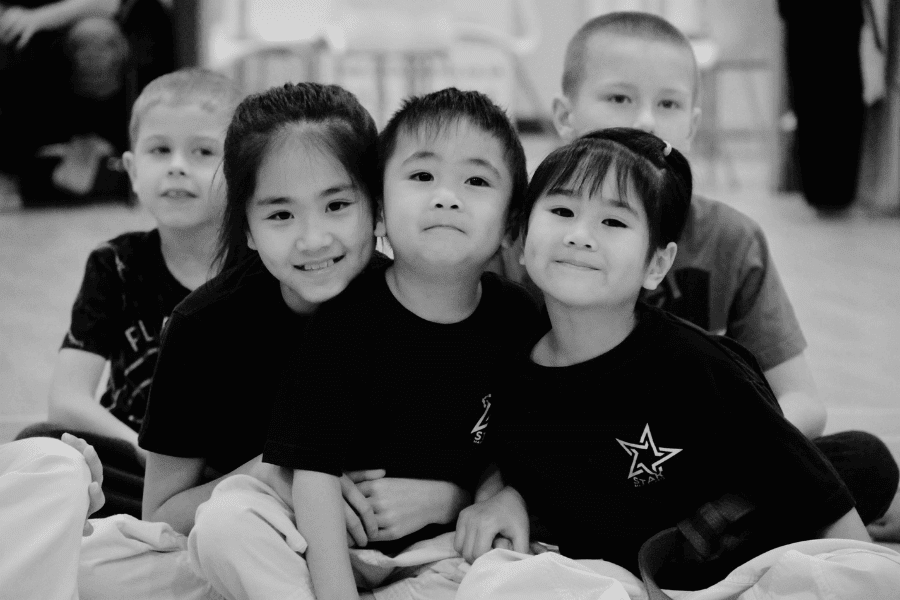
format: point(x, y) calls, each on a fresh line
point(843, 276)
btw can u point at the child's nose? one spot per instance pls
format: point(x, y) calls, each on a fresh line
point(312, 236)
point(579, 236)
point(178, 164)
point(445, 198)
point(645, 120)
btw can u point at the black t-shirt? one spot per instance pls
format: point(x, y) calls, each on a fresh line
point(218, 368)
point(126, 295)
point(377, 387)
point(611, 451)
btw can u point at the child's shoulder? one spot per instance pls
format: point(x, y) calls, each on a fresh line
point(504, 293)
point(132, 244)
point(234, 290)
point(712, 220)
point(691, 349)
point(126, 256)
point(687, 342)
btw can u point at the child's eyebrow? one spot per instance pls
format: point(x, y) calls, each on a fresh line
point(617, 202)
point(428, 154)
point(419, 155)
point(326, 193)
point(337, 189)
point(481, 162)
point(272, 201)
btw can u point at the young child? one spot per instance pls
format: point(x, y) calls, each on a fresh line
point(398, 372)
point(631, 69)
point(624, 419)
point(133, 282)
point(301, 174)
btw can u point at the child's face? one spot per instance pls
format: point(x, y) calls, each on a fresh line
point(175, 159)
point(632, 82)
point(590, 251)
point(311, 225)
point(446, 198)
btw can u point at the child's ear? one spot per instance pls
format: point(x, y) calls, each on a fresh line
point(250, 243)
point(660, 263)
point(131, 168)
point(380, 230)
point(562, 118)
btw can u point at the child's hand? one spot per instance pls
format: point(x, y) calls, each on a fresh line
point(18, 25)
point(404, 506)
point(501, 521)
point(358, 511)
point(95, 488)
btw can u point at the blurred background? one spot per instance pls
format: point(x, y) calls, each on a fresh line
point(840, 269)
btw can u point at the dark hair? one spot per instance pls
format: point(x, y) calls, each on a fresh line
point(209, 90)
point(432, 113)
point(659, 175)
point(328, 114)
point(627, 23)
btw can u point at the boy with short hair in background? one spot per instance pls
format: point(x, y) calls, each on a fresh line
point(134, 281)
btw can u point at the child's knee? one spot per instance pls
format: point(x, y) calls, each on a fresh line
point(240, 509)
point(46, 456)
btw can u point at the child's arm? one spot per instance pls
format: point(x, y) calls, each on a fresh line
point(795, 389)
point(171, 490)
point(318, 507)
point(848, 527)
point(72, 398)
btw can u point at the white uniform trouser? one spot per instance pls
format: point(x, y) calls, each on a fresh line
point(246, 544)
point(43, 506)
point(137, 560)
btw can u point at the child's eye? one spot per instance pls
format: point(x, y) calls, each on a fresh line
point(205, 152)
point(562, 211)
point(159, 150)
point(613, 223)
point(618, 99)
point(478, 181)
point(422, 176)
point(337, 205)
point(670, 104)
point(281, 215)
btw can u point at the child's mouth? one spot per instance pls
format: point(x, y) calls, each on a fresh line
point(576, 264)
point(320, 266)
point(178, 194)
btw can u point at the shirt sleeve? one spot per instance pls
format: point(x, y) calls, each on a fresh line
point(771, 462)
point(176, 416)
point(93, 327)
point(761, 317)
point(314, 415)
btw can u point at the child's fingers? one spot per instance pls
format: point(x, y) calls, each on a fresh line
point(96, 498)
point(355, 527)
point(89, 454)
point(360, 505)
point(359, 476)
point(502, 543)
point(94, 464)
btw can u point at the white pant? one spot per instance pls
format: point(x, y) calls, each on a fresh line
point(246, 544)
point(129, 558)
point(812, 570)
point(43, 506)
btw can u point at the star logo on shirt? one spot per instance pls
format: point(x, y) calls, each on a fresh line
point(646, 456)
